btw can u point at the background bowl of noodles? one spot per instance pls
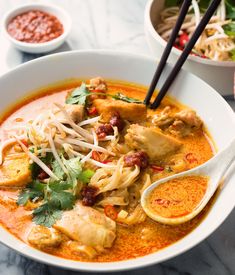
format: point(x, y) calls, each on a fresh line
point(219, 74)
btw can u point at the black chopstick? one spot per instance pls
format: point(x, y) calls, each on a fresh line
point(187, 50)
point(183, 11)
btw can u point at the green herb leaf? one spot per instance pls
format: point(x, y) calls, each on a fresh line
point(74, 168)
point(62, 200)
point(73, 165)
point(33, 190)
point(232, 53)
point(57, 170)
point(46, 215)
point(78, 95)
point(203, 5)
point(122, 97)
point(60, 186)
point(229, 29)
point(230, 9)
point(172, 3)
point(35, 169)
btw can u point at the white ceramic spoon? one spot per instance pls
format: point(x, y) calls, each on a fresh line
point(214, 168)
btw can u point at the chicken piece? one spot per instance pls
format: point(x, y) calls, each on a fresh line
point(75, 111)
point(150, 140)
point(190, 118)
point(87, 226)
point(130, 111)
point(98, 83)
point(164, 119)
point(44, 237)
point(14, 170)
point(179, 124)
point(82, 250)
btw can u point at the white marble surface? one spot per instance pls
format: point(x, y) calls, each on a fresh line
point(116, 24)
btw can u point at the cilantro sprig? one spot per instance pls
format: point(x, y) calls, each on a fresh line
point(80, 94)
point(55, 196)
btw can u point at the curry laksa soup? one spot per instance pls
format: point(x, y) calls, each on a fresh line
point(75, 160)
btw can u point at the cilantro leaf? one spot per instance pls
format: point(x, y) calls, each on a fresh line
point(34, 190)
point(230, 9)
point(78, 95)
point(62, 200)
point(229, 29)
point(35, 169)
point(122, 97)
point(57, 170)
point(46, 215)
point(74, 168)
point(59, 186)
point(171, 3)
point(232, 53)
point(73, 165)
point(27, 195)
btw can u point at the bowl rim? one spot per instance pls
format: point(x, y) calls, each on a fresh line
point(67, 24)
point(135, 263)
point(159, 39)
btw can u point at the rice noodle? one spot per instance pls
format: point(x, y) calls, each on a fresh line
point(87, 145)
point(214, 43)
point(101, 164)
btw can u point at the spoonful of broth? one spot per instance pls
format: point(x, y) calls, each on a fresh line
point(181, 197)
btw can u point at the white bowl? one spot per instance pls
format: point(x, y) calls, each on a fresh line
point(218, 74)
point(51, 45)
point(188, 89)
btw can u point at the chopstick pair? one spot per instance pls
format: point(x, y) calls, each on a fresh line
point(187, 50)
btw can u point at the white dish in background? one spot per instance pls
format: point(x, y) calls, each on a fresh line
point(51, 45)
point(188, 89)
point(218, 74)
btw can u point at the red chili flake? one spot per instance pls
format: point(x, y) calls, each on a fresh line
point(183, 39)
point(25, 142)
point(92, 111)
point(35, 26)
point(157, 168)
point(110, 212)
point(190, 157)
point(95, 155)
point(162, 202)
point(106, 161)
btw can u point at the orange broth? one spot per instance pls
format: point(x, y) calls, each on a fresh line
point(131, 241)
point(178, 197)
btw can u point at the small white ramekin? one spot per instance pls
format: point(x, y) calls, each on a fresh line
point(219, 74)
point(62, 16)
